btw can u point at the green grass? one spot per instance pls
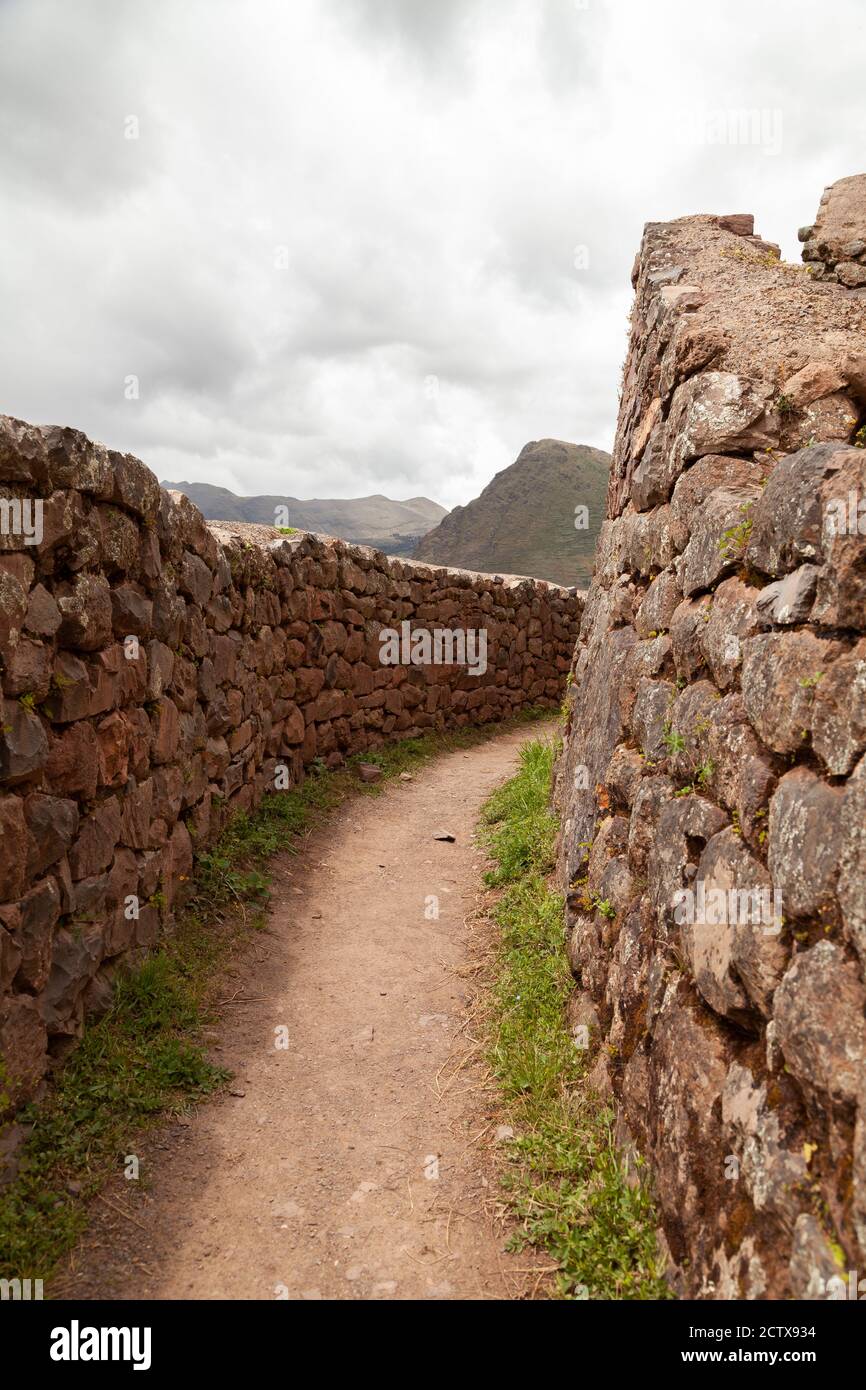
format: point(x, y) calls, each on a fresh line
point(144, 1061)
point(562, 1179)
point(137, 1062)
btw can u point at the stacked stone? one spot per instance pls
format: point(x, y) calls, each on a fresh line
point(160, 674)
point(835, 245)
point(715, 741)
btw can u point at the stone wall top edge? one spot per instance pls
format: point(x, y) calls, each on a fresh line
point(268, 537)
point(55, 458)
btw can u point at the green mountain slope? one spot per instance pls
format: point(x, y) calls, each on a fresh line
point(524, 520)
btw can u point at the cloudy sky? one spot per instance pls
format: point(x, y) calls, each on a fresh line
point(335, 247)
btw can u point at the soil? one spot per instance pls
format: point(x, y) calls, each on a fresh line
point(357, 1160)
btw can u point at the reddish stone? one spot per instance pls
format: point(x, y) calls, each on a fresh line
point(141, 737)
point(166, 731)
point(16, 844)
point(819, 1022)
point(780, 673)
point(10, 953)
point(740, 223)
point(309, 748)
point(195, 779)
point(13, 607)
point(160, 667)
point(334, 637)
point(97, 837)
point(117, 540)
point(158, 833)
point(225, 655)
point(240, 737)
point(184, 684)
point(113, 736)
point(217, 757)
point(169, 615)
point(234, 707)
point(199, 821)
point(53, 825)
point(839, 711)
point(20, 566)
point(72, 766)
point(167, 793)
point(67, 538)
point(75, 960)
point(294, 726)
point(28, 670)
point(136, 815)
point(115, 678)
point(70, 695)
point(22, 1048)
point(23, 743)
point(85, 608)
point(196, 579)
point(134, 486)
point(132, 612)
point(309, 683)
point(329, 705)
point(177, 870)
point(40, 909)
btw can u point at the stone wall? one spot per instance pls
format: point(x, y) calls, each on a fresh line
point(715, 742)
point(160, 673)
point(835, 245)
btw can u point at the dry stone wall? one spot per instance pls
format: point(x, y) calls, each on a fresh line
point(713, 783)
point(160, 674)
point(835, 244)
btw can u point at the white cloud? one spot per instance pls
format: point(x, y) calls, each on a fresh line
point(333, 201)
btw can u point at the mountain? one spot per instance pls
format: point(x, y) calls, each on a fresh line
point(524, 520)
point(378, 521)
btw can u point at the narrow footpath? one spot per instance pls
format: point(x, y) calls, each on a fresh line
point(351, 1157)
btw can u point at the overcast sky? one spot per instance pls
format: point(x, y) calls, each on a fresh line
point(378, 245)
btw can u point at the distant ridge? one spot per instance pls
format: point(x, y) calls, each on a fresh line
point(377, 520)
point(523, 521)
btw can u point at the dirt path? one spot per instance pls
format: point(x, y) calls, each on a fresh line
point(353, 1162)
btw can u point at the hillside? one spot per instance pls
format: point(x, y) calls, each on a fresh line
point(388, 525)
point(523, 521)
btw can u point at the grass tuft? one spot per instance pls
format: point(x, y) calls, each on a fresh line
point(562, 1178)
point(139, 1061)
